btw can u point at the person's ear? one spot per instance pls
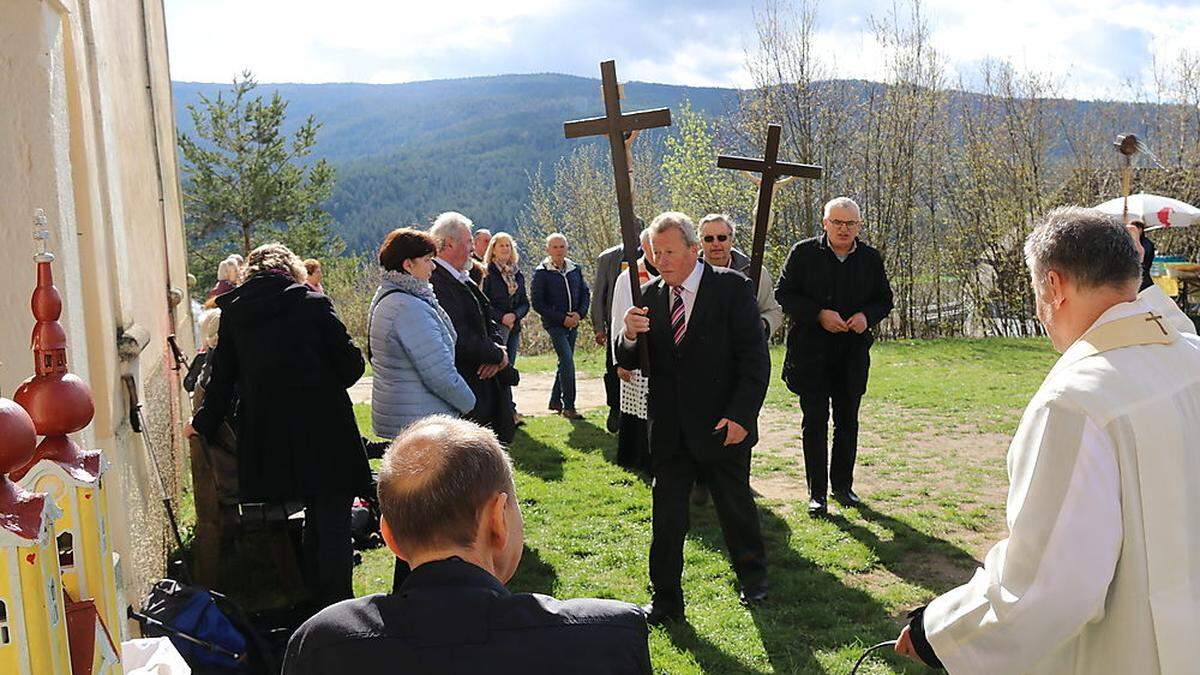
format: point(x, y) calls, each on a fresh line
point(1055, 288)
point(498, 532)
point(390, 539)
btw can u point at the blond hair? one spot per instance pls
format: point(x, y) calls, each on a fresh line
point(501, 236)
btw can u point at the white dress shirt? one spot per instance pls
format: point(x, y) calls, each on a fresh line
point(690, 287)
point(458, 274)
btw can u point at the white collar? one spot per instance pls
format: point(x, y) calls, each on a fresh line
point(692, 283)
point(458, 274)
point(1121, 310)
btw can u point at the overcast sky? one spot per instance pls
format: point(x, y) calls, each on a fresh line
point(1091, 47)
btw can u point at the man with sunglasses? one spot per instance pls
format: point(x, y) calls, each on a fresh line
point(717, 231)
point(834, 288)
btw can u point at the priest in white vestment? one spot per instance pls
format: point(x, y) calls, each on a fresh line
point(1101, 569)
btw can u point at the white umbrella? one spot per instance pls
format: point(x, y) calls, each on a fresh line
point(1153, 210)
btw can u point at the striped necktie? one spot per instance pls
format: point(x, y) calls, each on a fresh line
point(678, 318)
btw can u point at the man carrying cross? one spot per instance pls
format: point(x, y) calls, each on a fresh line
point(834, 288)
point(708, 372)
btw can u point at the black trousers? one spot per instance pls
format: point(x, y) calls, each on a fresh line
point(729, 481)
point(612, 383)
point(815, 432)
point(633, 443)
point(328, 549)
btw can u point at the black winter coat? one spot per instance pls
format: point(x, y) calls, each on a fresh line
point(291, 360)
point(720, 369)
point(814, 279)
point(477, 344)
point(500, 302)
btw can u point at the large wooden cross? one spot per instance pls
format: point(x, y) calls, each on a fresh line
point(771, 169)
point(620, 127)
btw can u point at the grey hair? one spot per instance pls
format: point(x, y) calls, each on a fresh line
point(229, 270)
point(714, 217)
point(447, 225)
point(482, 230)
point(674, 220)
point(278, 258)
point(556, 235)
point(210, 323)
point(644, 235)
point(1088, 247)
point(841, 202)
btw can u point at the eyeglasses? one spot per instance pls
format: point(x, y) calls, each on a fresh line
point(846, 224)
point(708, 238)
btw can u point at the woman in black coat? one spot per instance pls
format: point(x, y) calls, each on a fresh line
point(504, 286)
point(290, 359)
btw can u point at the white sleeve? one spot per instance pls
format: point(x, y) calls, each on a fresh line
point(1039, 587)
point(622, 300)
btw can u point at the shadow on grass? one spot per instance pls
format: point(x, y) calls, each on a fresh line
point(536, 458)
point(585, 436)
point(533, 575)
point(912, 555)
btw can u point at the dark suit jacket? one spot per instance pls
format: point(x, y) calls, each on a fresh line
point(477, 344)
point(608, 268)
point(721, 369)
point(453, 617)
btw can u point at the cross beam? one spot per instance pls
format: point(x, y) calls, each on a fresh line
point(771, 169)
point(618, 126)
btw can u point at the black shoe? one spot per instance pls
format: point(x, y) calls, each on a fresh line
point(613, 424)
point(699, 494)
point(817, 507)
point(846, 497)
point(659, 614)
point(556, 407)
point(752, 595)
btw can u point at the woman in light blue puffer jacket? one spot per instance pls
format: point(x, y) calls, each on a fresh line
point(411, 340)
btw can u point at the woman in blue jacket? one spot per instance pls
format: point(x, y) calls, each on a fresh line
point(410, 340)
point(561, 297)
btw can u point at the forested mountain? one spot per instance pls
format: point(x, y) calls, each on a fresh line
point(404, 152)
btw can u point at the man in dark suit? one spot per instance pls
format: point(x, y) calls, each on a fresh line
point(708, 374)
point(835, 289)
point(450, 510)
point(478, 352)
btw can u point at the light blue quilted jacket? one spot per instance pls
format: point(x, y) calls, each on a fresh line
point(412, 354)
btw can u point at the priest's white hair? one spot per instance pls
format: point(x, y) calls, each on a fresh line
point(674, 220)
point(841, 202)
point(450, 225)
point(1088, 247)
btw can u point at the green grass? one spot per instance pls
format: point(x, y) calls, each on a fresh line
point(838, 585)
point(589, 362)
point(931, 467)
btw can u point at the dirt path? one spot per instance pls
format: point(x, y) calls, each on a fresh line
point(532, 395)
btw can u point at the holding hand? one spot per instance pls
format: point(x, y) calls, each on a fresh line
point(734, 434)
point(624, 375)
point(189, 431)
point(832, 321)
point(637, 321)
point(857, 323)
point(601, 336)
point(571, 320)
point(509, 320)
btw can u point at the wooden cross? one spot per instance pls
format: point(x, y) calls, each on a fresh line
point(771, 169)
point(621, 127)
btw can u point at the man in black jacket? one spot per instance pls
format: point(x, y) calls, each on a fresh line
point(708, 373)
point(450, 510)
point(478, 354)
point(834, 288)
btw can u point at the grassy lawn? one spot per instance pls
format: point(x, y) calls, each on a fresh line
point(931, 468)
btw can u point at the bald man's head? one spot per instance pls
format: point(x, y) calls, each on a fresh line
point(436, 478)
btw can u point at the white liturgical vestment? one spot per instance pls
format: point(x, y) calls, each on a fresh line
point(1101, 569)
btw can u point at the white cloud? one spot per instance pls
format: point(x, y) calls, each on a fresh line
point(1091, 47)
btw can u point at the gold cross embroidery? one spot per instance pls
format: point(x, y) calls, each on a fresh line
point(1157, 319)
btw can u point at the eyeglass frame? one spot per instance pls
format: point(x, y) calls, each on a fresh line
point(845, 224)
point(708, 238)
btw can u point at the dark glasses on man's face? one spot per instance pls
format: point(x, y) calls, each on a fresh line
point(708, 238)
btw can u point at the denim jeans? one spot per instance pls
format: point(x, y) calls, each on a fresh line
point(563, 392)
point(512, 341)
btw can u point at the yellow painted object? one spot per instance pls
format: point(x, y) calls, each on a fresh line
point(1168, 284)
point(33, 630)
point(86, 558)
